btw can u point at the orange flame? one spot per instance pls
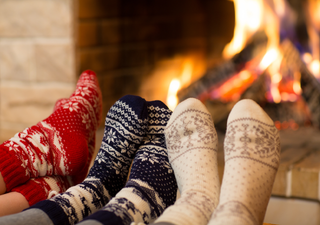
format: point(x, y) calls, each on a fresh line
point(177, 83)
point(248, 16)
point(172, 99)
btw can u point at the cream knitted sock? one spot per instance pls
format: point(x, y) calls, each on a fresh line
point(192, 148)
point(252, 151)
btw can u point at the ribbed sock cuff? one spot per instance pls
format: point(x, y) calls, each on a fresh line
point(10, 168)
point(32, 191)
point(53, 210)
point(105, 217)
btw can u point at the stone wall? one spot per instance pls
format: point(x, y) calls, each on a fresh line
point(37, 60)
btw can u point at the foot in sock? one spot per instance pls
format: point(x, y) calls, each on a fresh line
point(192, 148)
point(57, 145)
point(125, 128)
point(151, 186)
point(252, 151)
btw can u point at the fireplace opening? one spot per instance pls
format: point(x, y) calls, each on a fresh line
point(140, 47)
point(218, 52)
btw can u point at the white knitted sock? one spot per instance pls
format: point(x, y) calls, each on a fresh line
point(192, 149)
point(252, 151)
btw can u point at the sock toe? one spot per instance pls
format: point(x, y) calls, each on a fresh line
point(248, 108)
point(189, 104)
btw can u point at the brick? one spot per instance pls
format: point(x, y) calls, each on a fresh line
point(99, 59)
point(30, 103)
point(110, 31)
point(289, 158)
point(88, 33)
point(134, 55)
point(147, 27)
point(55, 62)
point(17, 61)
point(30, 18)
point(305, 177)
point(98, 8)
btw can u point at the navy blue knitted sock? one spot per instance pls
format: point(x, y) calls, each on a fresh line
point(151, 186)
point(125, 128)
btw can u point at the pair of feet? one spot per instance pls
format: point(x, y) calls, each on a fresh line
point(134, 132)
point(252, 152)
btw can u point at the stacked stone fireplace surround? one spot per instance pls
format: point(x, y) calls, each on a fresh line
point(46, 44)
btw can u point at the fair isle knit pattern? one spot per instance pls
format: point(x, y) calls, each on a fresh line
point(192, 148)
point(125, 127)
point(151, 186)
point(57, 145)
point(252, 153)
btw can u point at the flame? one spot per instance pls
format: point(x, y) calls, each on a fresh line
point(315, 68)
point(172, 99)
point(296, 87)
point(176, 83)
point(271, 55)
point(248, 16)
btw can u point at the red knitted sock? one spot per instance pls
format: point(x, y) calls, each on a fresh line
point(42, 188)
point(57, 145)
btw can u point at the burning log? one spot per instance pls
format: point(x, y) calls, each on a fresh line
point(227, 69)
point(257, 90)
point(309, 84)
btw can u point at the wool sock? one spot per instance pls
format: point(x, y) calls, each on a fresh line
point(151, 186)
point(192, 148)
point(252, 151)
point(125, 127)
point(57, 145)
point(42, 188)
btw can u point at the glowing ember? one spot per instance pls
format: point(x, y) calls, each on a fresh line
point(232, 89)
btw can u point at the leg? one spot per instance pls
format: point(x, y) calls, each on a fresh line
point(192, 148)
point(12, 202)
point(57, 145)
point(151, 186)
point(3, 188)
point(252, 152)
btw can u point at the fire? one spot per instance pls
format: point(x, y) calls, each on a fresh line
point(248, 14)
point(176, 83)
point(268, 58)
point(232, 89)
point(172, 99)
point(315, 68)
point(253, 16)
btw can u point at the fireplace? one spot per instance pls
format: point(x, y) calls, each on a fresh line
point(147, 48)
point(135, 47)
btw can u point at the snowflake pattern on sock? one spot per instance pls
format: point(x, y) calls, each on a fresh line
point(192, 144)
point(125, 127)
point(151, 186)
point(57, 145)
point(252, 153)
